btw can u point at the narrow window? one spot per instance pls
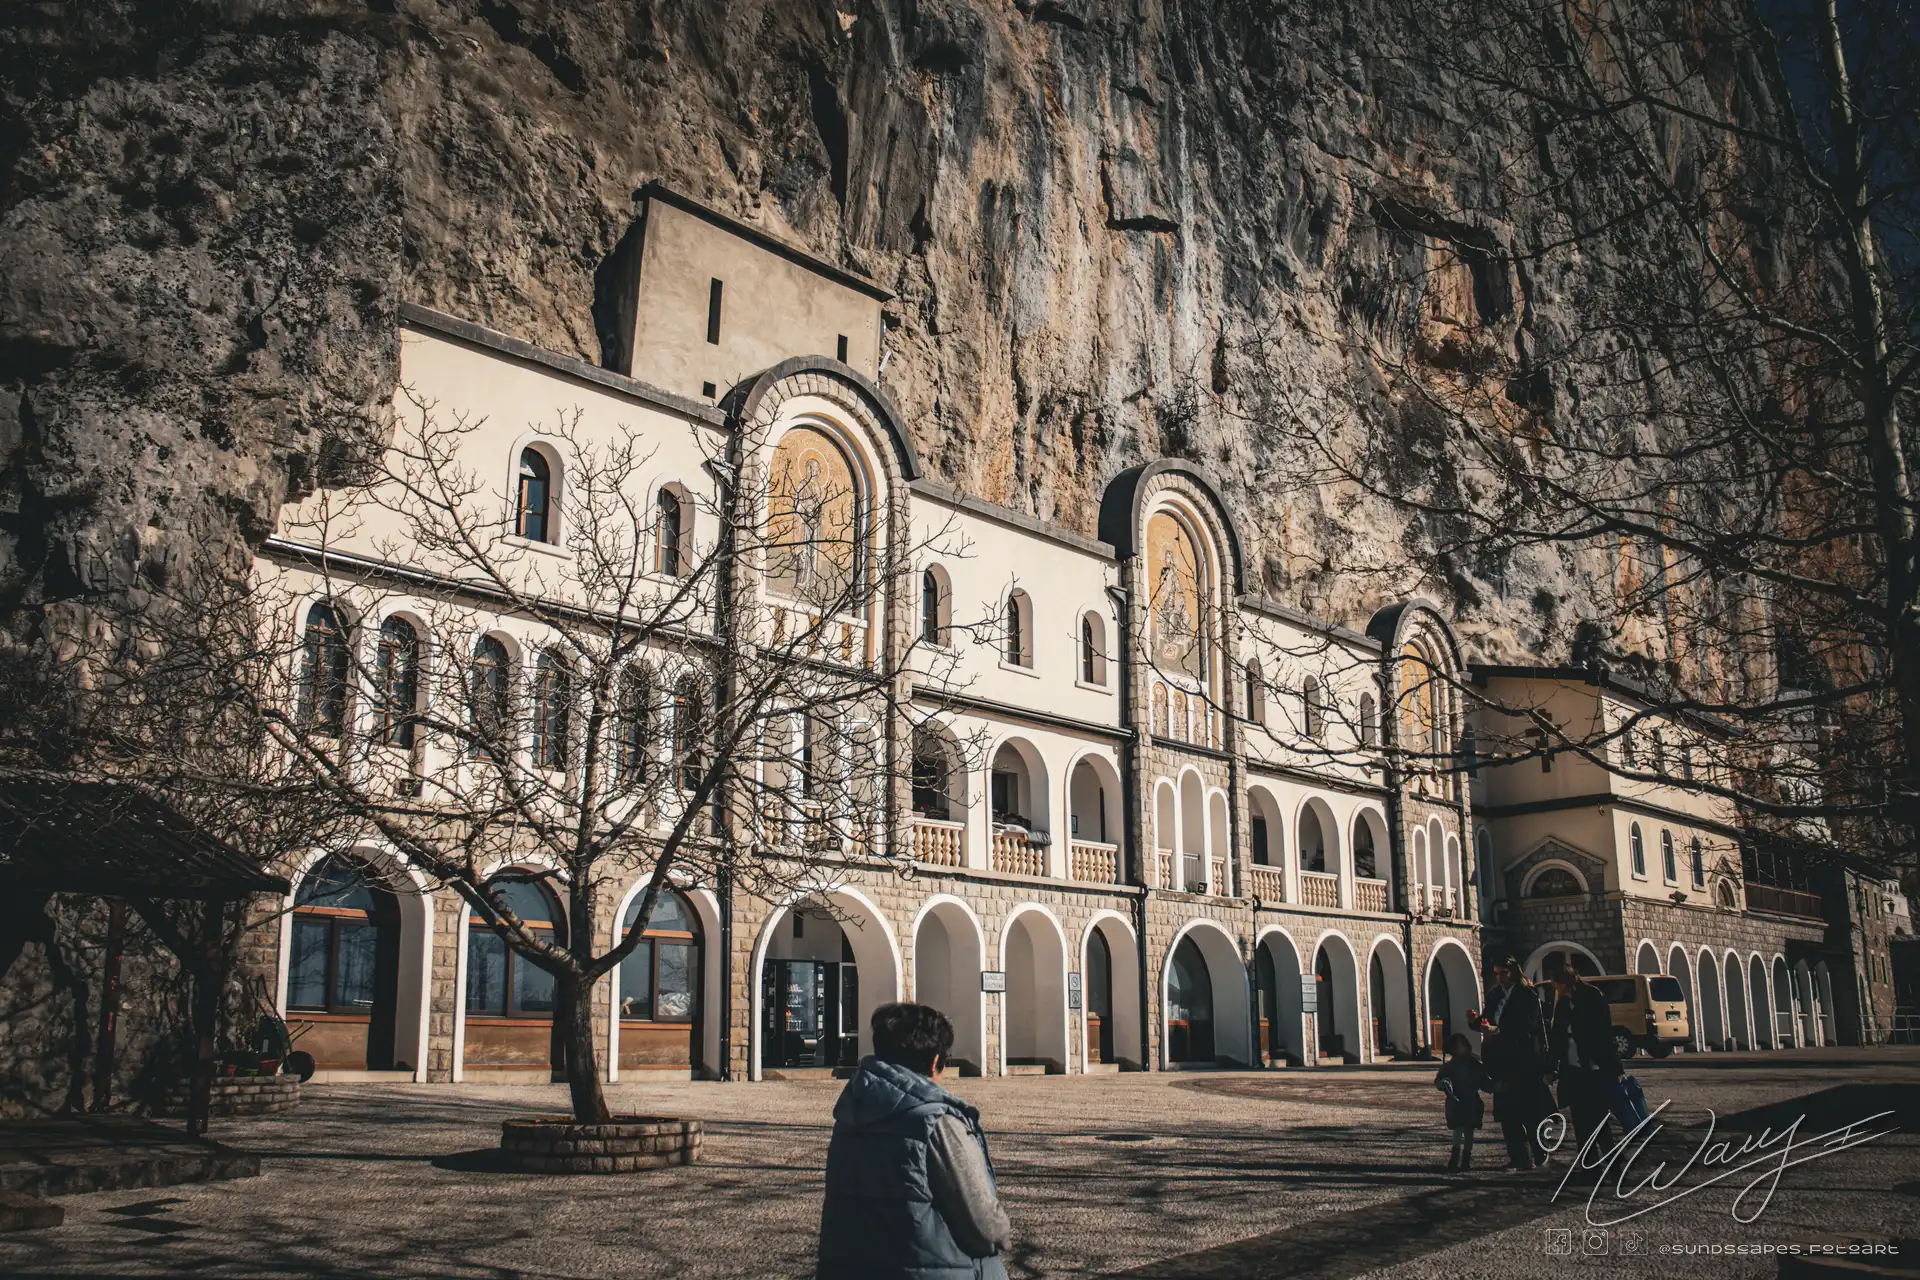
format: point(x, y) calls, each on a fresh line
point(669, 521)
point(1369, 720)
point(1314, 707)
point(635, 726)
point(1638, 845)
point(323, 681)
point(1256, 694)
point(535, 497)
point(930, 630)
point(1699, 859)
point(840, 349)
point(397, 671)
point(1668, 869)
point(713, 312)
point(1093, 656)
point(489, 695)
point(686, 732)
point(1019, 651)
point(1262, 852)
point(552, 706)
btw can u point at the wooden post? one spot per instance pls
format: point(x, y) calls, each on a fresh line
point(109, 1005)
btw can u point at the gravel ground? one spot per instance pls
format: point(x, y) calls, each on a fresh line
point(1217, 1174)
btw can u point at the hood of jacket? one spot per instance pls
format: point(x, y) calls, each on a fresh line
point(881, 1090)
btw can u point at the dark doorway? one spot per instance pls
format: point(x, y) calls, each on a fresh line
point(1099, 996)
point(1189, 1006)
point(1332, 1045)
point(1267, 987)
point(1377, 999)
point(810, 1014)
point(1439, 1008)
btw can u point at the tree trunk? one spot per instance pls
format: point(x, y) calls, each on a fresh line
point(573, 1018)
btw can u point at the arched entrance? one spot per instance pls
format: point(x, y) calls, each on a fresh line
point(1033, 1012)
point(510, 999)
point(1823, 997)
point(1784, 1031)
point(1712, 1013)
point(343, 968)
point(1110, 986)
point(1387, 1001)
point(1739, 1031)
point(1452, 989)
point(1682, 969)
point(823, 965)
point(946, 974)
point(1277, 970)
point(1205, 998)
point(1759, 1004)
point(660, 986)
point(1647, 959)
point(1337, 988)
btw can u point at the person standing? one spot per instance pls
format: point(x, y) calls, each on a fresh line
point(1463, 1080)
point(1515, 1044)
point(910, 1186)
point(1583, 1053)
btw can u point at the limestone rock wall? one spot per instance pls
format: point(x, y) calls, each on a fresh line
point(1117, 231)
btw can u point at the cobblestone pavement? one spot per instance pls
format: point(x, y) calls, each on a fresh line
point(1326, 1173)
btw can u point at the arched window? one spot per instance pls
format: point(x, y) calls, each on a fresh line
point(1728, 899)
point(552, 712)
point(397, 674)
point(1018, 621)
point(336, 958)
point(1698, 857)
point(634, 731)
point(688, 711)
point(1256, 694)
point(502, 983)
point(534, 501)
point(934, 604)
point(1313, 707)
point(1365, 858)
point(1669, 868)
point(930, 775)
point(1369, 720)
point(1638, 846)
point(1554, 882)
point(816, 522)
point(1629, 750)
point(1659, 752)
point(323, 678)
point(669, 533)
point(660, 978)
point(489, 695)
point(1093, 649)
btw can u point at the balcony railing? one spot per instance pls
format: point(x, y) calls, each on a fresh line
point(939, 843)
point(1319, 889)
point(1163, 868)
point(1269, 884)
point(1369, 895)
point(1217, 877)
point(1012, 852)
point(1784, 902)
point(1096, 862)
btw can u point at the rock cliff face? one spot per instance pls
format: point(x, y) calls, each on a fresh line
point(1116, 231)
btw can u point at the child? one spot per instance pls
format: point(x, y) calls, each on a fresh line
point(1462, 1079)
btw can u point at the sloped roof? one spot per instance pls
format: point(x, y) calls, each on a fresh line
point(111, 839)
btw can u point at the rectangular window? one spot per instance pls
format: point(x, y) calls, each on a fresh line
point(675, 1001)
point(356, 960)
point(1002, 794)
point(636, 983)
point(307, 974)
point(532, 987)
point(713, 312)
point(486, 971)
point(1260, 853)
point(840, 352)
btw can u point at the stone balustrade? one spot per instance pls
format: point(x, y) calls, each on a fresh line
point(1095, 862)
point(939, 843)
point(1369, 895)
point(1012, 852)
point(1319, 889)
point(1269, 884)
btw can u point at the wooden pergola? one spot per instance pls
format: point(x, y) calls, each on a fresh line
point(112, 840)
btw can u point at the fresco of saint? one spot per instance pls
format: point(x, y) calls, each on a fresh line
point(1177, 642)
point(813, 519)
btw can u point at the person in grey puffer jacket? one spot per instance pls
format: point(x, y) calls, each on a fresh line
point(910, 1188)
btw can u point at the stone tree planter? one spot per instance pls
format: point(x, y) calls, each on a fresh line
point(627, 1144)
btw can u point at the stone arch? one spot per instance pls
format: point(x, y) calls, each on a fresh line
point(1124, 510)
point(1110, 1020)
point(413, 902)
point(1219, 844)
point(1388, 1006)
point(1267, 839)
point(1581, 958)
point(1682, 968)
point(1033, 1012)
point(1823, 1003)
point(1316, 816)
point(1554, 864)
point(706, 911)
point(1225, 976)
point(760, 400)
point(949, 953)
point(1166, 834)
point(1371, 859)
point(1786, 1021)
point(1712, 1002)
point(1451, 973)
point(1093, 799)
point(1760, 1004)
point(1027, 789)
point(1279, 1010)
point(867, 935)
point(1646, 957)
point(1734, 974)
point(1193, 828)
point(1337, 1024)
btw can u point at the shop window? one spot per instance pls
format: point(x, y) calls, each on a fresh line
point(660, 979)
point(336, 964)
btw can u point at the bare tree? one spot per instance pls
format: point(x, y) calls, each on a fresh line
point(572, 684)
point(1672, 360)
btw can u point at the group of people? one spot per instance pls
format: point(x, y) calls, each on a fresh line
point(910, 1188)
point(1524, 1052)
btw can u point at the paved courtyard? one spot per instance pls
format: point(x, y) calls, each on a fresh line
point(1328, 1173)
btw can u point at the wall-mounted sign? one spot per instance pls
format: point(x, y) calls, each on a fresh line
point(1309, 993)
point(993, 981)
point(1073, 991)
